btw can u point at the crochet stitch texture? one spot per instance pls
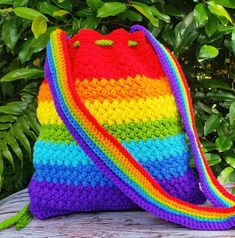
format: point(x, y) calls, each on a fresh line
point(138, 109)
point(112, 137)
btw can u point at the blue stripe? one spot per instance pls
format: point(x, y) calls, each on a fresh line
point(163, 159)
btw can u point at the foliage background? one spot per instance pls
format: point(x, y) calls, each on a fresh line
point(200, 33)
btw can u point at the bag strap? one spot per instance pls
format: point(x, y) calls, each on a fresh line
point(215, 193)
point(111, 157)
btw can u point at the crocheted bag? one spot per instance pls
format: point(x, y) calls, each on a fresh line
point(115, 114)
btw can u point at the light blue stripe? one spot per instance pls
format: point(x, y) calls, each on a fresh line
point(163, 159)
point(143, 151)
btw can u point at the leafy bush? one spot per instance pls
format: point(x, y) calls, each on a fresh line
point(200, 33)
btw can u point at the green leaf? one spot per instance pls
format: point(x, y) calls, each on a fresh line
point(207, 52)
point(90, 22)
point(67, 4)
point(230, 160)
point(20, 3)
point(203, 107)
point(226, 3)
point(131, 15)
point(225, 174)
point(40, 43)
point(212, 25)
point(147, 13)
point(94, 4)
point(18, 133)
point(223, 143)
point(232, 177)
point(173, 11)
point(23, 123)
point(27, 13)
point(168, 35)
point(232, 113)
point(200, 14)
point(1, 163)
point(214, 83)
point(39, 26)
point(160, 15)
point(111, 9)
point(185, 34)
point(4, 126)
point(86, 12)
point(14, 108)
point(6, 153)
point(32, 121)
point(221, 95)
point(212, 123)
point(60, 13)
point(31, 134)
point(212, 159)
point(1, 182)
point(208, 146)
point(219, 10)
point(7, 118)
point(24, 73)
point(6, 1)
point(11, 141)
point(3, 134)
point(6, 10)
point(47, 8)
point(233, 40)
point(9, 33)
point(25, 52)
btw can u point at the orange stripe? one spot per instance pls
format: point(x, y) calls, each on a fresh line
point(129, 88)
point(44, 93)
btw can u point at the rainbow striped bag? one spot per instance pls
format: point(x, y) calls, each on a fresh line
point(116, 115)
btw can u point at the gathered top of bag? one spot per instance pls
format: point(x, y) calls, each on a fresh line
point(93, 55)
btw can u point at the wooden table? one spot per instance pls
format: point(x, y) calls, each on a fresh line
point(100, 224)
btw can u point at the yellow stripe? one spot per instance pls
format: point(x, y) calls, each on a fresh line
point(117, 112)
point(47, 114)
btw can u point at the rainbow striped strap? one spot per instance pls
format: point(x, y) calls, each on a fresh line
point(216, 194)
point(114, 160)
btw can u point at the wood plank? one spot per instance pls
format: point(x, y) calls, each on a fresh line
point(99, 224)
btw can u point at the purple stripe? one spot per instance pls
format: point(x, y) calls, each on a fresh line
point(184, 187)
point(49, 199)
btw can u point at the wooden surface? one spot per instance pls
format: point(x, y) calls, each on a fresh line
point(100, 224)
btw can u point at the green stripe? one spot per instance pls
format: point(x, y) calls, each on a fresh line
point(144, 130)
point(124, 132)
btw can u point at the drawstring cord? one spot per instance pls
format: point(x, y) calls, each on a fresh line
point(20, 220)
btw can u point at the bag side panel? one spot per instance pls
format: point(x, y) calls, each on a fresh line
point(66, 180)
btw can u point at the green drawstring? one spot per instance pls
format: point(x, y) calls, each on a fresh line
point(104, 42)
point(20, 220)
point(132, 43)
point(76, 44)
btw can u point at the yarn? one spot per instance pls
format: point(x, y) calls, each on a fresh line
point(112, 136)
point(20, 220)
